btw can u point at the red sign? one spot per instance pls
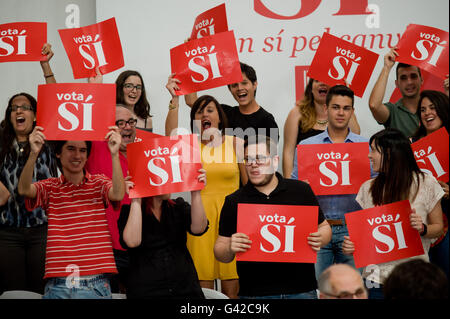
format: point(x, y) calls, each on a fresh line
point(334, 169)
point(97, 45)
point(383, 233)
point(22, 41)
point(338, 62)
point(431, 153)
point(206, 63)
point(278, 232)
point(76, 111)
point(163, 165)
point(301, 81)
point(425, 47)
point(210, 22)
point(142, 134)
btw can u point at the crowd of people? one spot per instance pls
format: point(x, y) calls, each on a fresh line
point(65, 208)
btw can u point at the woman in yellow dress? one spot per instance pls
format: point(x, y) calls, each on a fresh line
point(220, 156)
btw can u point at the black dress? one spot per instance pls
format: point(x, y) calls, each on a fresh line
point(161, 267)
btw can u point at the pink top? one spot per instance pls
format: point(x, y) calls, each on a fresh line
point(99, 162)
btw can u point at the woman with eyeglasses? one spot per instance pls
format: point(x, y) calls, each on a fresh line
point(399, 178)
point(433, 114)
point(22, 233)
point(220, 156)
point(130, 91)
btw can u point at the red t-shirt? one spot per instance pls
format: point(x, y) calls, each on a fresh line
point(78, 233)
point(99, 162)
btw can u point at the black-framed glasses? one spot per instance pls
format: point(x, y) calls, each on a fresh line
point(123, 123)
point(130, 86)
point(259, 160)
point(14, 108)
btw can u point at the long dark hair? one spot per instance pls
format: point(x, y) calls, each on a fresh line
point(398, 167)
point(440, 102)
point(142, 106)
point(8, 132)
point(201, 103)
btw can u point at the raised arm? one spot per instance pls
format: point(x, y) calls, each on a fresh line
point(172, 115)
point(291, 127)
point(45, 65)
point(199, 221)
point(380, 111)
point(132, 233)
point(117, 191)
point(37, 140)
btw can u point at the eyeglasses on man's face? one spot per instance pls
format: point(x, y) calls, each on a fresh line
point(258, 160)
point(14, 108)
point(123, 123)
point(130, 87)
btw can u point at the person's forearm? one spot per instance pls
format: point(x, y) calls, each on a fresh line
point(434, 230)
point(48, 73)
point(198, 216)
point(326, 233)
point(222, 252)
point(26, 177)
point(4, 194)
point(118, 188)
point(378, 92)
point(190, 98)
point(172, 117)
point(288, 163)
point(132, 233)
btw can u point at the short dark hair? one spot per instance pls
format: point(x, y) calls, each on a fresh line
point(404, 65)
point(271, 145)
point(58, 145)
point(340, 90)
point(416, 279)
point(249, 72)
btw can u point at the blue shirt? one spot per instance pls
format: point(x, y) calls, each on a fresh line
point(333, 206)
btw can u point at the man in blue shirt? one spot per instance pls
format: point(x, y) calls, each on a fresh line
point(339, 104)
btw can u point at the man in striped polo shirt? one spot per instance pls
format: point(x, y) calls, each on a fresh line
point(79, 249)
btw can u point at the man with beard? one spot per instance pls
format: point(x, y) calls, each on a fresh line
point(99, 163)
point(266, 186)
point(403, 114)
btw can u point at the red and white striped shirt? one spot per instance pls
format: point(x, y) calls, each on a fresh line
point(78, 235)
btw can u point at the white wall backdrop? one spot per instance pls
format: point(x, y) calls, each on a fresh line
point(150, 28)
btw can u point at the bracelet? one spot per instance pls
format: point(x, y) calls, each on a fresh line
point(171, 106)
point(48, 76)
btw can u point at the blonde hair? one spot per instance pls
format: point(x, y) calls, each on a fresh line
point(307, 109)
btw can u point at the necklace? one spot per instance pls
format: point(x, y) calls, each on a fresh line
point(322, 122)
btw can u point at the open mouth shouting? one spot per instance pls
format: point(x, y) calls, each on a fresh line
point(206, 124)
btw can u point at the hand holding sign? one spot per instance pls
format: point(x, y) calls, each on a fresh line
point(383, 233)
point(22, 41)
point(97, 45)
point(206, 63)
point(210, 22)
point(425, 47)
point(341, 62)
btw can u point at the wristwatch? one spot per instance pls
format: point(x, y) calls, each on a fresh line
point(424, 231)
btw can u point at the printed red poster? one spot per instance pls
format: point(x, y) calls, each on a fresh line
point(145, 135)
point(92, 46)
point(210, 22)
point(22, 41)
point(76, 111)
point(334, 169)
point(163, 165)
point(206, 63)
point(338, 61)
point(383, 234)
point(301, 81)
point(278, 232)
point(431, 153)
point(425, 47)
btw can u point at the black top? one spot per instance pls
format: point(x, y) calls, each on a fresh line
point(269, 278)
point(161, 267)
point(260, 119)
point(309, 133)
